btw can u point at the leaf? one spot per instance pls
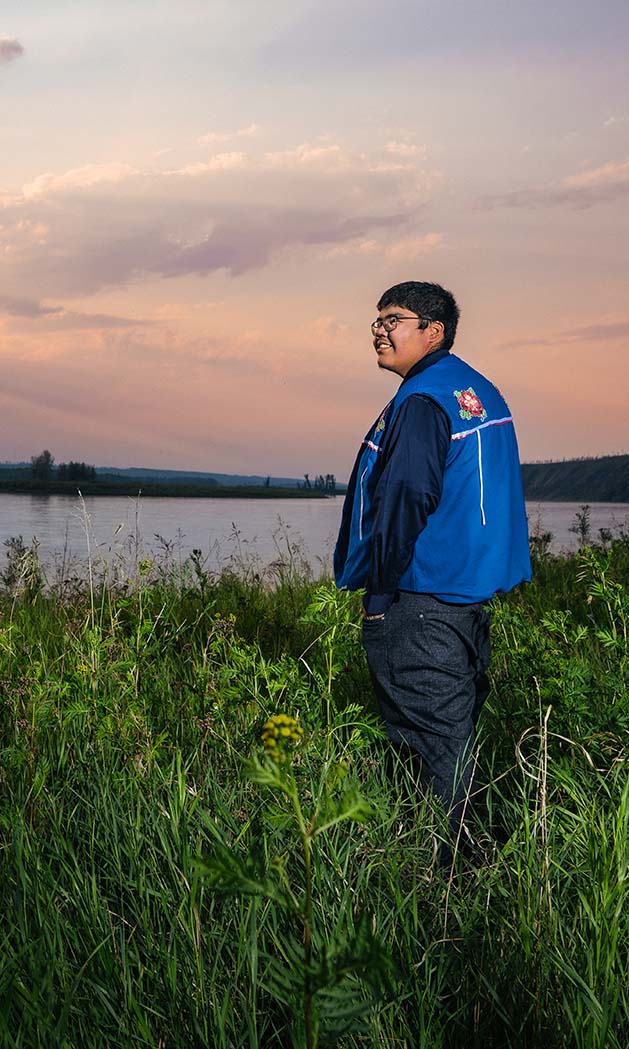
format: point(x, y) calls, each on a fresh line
point(350, 806)
point(224, 871)
point(267, 773)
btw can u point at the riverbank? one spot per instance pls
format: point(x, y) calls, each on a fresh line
point(597, 480)
point(152, 490)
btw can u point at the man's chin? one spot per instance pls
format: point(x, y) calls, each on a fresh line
point(386, 365)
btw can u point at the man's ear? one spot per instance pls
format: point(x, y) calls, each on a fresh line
point(437, 329)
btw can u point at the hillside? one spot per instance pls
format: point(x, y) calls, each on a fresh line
point(191, 477)
point(132, 476)
point(148, 475)
point(604, 480)
point(112, 480)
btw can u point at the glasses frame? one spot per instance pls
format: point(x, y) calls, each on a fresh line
point(391, 322)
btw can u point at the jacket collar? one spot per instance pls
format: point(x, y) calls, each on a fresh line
point(424, 363)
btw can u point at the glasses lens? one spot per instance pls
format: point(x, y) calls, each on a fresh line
point(388, 323)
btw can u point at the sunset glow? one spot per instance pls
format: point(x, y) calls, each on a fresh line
point(200, 205)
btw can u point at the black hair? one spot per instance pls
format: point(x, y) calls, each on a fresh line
point(427, 301)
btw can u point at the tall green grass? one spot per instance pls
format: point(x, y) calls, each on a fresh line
point(167, 883)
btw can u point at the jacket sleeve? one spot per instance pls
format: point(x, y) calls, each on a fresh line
point(407, 492)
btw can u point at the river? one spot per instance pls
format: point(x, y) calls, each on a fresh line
point(244, 533)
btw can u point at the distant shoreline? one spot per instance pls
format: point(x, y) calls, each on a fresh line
point(603, 480)
point(191, 491)
point(164, 491)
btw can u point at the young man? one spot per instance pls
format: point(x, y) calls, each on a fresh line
point(433, 526)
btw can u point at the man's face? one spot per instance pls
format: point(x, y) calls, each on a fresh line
point(399, 350)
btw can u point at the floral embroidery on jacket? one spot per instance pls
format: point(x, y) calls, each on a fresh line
point(381, 423)
point(470, 405)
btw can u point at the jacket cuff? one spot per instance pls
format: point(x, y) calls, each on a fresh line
point(378, 604)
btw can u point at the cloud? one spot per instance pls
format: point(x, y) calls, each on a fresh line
point(402, 149)
point(165, 356)
point(77, 178)
point(249, 239)
point(406, 249)
point(27, 308)
point(610, 331)
point(583, 190)
point(413, 248)
point(214, 137)
point(57, 318)
point(329, 157)
point(21, 236)
point(249, 131)
point(220, 162)
point(109, 225)
point(68, 320)
point(10, 49)
point(607, 175)
point(177, 311)
point(328, 327)
point(390, 167)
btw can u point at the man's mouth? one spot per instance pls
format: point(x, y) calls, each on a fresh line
point(382, 344)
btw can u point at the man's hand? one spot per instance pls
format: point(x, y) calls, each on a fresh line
point(366, 616)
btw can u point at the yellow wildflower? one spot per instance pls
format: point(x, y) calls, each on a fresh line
point(276, 733)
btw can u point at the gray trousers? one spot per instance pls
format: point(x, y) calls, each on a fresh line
point(428, 663)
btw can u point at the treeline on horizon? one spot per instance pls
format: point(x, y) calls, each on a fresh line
point(116, 486)
point(43, 476)
point(597, 479)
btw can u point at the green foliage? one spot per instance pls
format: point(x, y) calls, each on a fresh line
point(22, 573)
point(41, 466)
point(169, 880)
point(320, 980)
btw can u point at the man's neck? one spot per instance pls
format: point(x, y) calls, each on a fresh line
point(425, 362)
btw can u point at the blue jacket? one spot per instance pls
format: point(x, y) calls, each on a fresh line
point(473, 539)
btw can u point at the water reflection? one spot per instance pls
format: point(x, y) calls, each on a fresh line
point(123, 530)
point(119, 528)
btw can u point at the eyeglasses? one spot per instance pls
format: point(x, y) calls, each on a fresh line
point(390, 323)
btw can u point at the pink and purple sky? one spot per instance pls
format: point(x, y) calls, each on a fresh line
point(201, 202)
